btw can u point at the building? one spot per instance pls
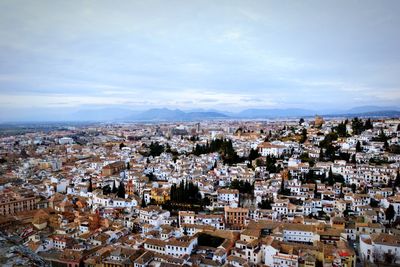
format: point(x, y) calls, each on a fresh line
point(380, 248)
point(12, 202)
point(228, 197)
point(269, 149)
point(113, 168)
point(300, 233)
point(236, 218)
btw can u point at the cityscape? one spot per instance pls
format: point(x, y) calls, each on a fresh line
point(200, 133)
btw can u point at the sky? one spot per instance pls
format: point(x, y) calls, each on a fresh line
point(226, 55)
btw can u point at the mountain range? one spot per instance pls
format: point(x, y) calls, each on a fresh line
point(165, 114)
point(122, 114)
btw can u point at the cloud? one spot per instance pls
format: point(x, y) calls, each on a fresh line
point(199, 54)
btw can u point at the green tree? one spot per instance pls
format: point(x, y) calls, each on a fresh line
point(357, 125)
point(397, 180)
point(114, 188)
point(301, 121)
point(353, 159)
point(341, 130)
point(353, 188)
point(283, 190)
point(368, 124)
point(358, 146)
point(331, 179)
point(155, 149)
point(243, 187)
point(90, 187)
point(303, 137)
point(390, 213)
point(374, 203)
point(185, 193)
point(253, 154)
point(106, 190)
point(143, 205)
point(265, 204)
point(121, 190)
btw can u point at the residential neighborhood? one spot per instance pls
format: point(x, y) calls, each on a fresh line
point(294, 192)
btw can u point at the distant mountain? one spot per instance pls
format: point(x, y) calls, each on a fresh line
point(164, 114)
point(125, 113)
point(364, 109)
point(381, 113)
point(274, 113)
point(206, 115)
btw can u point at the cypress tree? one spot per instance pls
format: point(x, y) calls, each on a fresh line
point(90, 187)
point(397, 180)
point(121, 190)
point(143, 202)
point(390, 213)
point(331, 179)
point(358, 146)
point(114, 188)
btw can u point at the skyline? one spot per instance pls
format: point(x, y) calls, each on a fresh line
point(331, 55)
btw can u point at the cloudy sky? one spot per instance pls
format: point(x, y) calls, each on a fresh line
point(226, 55)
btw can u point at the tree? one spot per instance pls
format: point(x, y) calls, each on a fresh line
point(353, 188)
point(374, 203)
point(390, 213)
point(143, 205)
point(185, 193)
point(284, 191)
point(395, 149)
point(265, 204)
point(331, 179)
point(243, 187)
point(386, 145)
point(341, 130)
point(397, 180)
point(357, 125)
point(358, 146)
point(151, 176)
point(368, 125)
point(315, 190)
point(253, 154)
point(90, 187)
point(121, 190)
point(303, 137)
point(106, 190)
point(389, 257)
point(328, 147)
point(301, 121)
point(114, 188)
point(353, 159)
point(155, 150)
point(341, 191)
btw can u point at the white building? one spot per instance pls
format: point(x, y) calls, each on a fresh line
point(378, 247)
point(300, 233)
point(269, 149)
point(228, 197)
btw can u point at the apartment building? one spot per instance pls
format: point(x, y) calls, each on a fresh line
point(12, 202)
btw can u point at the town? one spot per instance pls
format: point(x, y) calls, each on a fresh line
point(301, 192)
